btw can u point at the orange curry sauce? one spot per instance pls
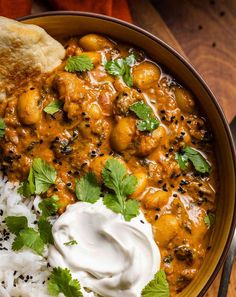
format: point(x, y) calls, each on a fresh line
point(95, 123)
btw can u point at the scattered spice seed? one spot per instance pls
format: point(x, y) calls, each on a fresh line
point(156, 217)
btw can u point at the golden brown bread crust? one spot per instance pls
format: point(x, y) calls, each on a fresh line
point(25, 51)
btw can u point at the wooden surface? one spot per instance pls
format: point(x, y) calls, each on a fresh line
point(204, 31)
point(207, 37)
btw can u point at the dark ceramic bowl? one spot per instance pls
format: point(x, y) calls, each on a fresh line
point(62, 25)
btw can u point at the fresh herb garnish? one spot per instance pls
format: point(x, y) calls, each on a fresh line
point(41, 177)
point(49, 206)
point(209, 219)
point(158, 287)
point(122, 184)
point(53, 107)
point(79, 63)
point(45, 230)
point(28, 237)
point(87, 188)
point(122, 67)
point(15, 224)
point(61, 282)
point(2, 127)
point(189, 154)
point(72, 242)
point(147, 122)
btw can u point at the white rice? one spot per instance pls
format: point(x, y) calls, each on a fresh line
point(23, 273)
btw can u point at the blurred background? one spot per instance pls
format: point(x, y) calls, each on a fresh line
point(204, 31)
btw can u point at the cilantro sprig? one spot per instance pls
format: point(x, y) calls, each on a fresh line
point(87, 188)
point(122, 184)
point(122, 67)
point(147, 122)
point(158, 287)
point(189, 154)
point(2, 127)
point(71, 242)
point(209, 219)
point(53, 107)
point(41, 177)
point(79, 63)
point(25, 236)
point(49, 206)
point(61, 281)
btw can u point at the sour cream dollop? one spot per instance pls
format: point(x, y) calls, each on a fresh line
point(112, 257)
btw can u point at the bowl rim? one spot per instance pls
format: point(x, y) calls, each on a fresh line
point(203, 83)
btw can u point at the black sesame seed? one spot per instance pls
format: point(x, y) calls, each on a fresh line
point(156, 217)
point(141, 221)
point(175, 195)
point(68, 184)
point(171, 150)
point(163, 118)
point(167, 155)
point(87, 125)
point(182, 117)
point(83, 113)
point(189, 122)
point(160, 181)
point(182, 133)
point(163, 111)
point(172, 186)
point(158, 209)
point(55, 189)
point(15, 272)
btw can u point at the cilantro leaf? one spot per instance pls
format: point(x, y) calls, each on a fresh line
point(147, 122)
point(182, 159)
point(15, 224)
point(158, 287)
point(28, 238)
point(110, 201)
point(79, 63)
point(131, 209)
point(189, 154)
point(49, 206)
point(142, 110)
point(41, 177)
point(27, 188)
point(44, 175)
point(87, 188)
point(72, 242)
point(148, 125)
point(2, 127)
point(61, 282)
point(53, 107)
point(45, 231)
point(122, 67)
point(209, 219)
point(116, 179)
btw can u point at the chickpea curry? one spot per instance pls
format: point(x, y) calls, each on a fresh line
point(109, 100)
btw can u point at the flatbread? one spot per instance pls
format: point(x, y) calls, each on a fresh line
point(25, 51)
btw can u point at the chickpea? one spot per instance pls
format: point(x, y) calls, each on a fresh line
point(141, 184)
point(184, 100)
point(145, 74)
point(156, 199)
point(94, 42)
point(165, 229)
point(148, 143)
point(94, 111)
point(122, 134)
point(69, 86)
point(28, 109)
point(94, 56)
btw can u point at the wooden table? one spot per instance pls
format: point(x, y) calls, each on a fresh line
point(204, 31)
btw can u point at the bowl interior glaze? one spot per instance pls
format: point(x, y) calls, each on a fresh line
point(62, 25)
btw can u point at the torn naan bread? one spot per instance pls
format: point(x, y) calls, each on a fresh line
point(25, 51)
